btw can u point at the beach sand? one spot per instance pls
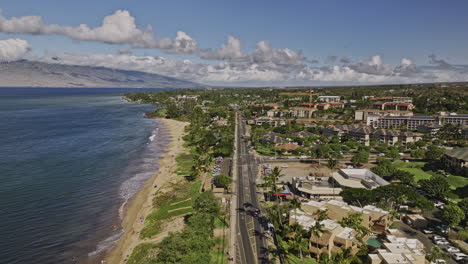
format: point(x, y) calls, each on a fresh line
point(142, 203)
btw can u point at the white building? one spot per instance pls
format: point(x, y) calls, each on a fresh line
point(329, 99)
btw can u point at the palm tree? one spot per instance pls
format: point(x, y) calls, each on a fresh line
point(316, 231)
point(295, 204)
point(437, 253)
point(297, 241)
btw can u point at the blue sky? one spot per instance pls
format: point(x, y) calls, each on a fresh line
point(357, 30)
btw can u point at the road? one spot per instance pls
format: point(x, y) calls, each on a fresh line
point(250, 241)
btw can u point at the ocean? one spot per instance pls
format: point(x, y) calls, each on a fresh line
point(69, 160)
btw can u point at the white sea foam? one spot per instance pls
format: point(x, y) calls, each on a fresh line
point(107, 243)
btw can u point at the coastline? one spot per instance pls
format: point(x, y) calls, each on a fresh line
point(142, 204)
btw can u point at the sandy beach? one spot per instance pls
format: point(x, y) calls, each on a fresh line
point(142, 203)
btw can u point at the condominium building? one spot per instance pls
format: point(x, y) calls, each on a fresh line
point(363, 113)
point(393, 106)
point(362, 135)
point(339, 130)
point(408, 100)
point(408, 122)
point(454, 119)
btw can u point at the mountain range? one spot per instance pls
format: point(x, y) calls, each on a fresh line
point(26, 73)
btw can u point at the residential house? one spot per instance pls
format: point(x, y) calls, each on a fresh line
point(288, 147)
point(339, 130)
point(301, 134)
point(273, 138)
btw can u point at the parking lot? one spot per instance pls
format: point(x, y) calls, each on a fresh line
point(290, 169)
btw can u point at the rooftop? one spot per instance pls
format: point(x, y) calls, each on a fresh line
point(460, 153)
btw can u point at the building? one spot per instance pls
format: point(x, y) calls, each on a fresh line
point(339, 130)
point(271, 121)
point(399, 250)
point(361, 135)
point(302, 112)
point(288, 147)
point(363, 113)
point(320, 188)
point(273, 138)
point(372, 217)
point(333, 240)
point(416, 221)
point(301, 134)
point(329, 99)
point(188, 97)
point(393, 106)
point(454, 119)
point(408, 122)
point(389, 137)
point(429, 128)
point(407, 100)
point(357, 178)
point(456, 160)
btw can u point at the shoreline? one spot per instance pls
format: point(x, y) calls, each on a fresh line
point(142, 204)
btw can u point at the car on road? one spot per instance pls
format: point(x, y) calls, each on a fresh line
point(459, 256)
point(285, 166)
point(303, 157)
point(272, 158)
point(451, 249)
point(436, 237)
point(292, 157)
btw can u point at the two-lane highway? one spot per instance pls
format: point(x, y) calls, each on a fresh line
point(250, 242)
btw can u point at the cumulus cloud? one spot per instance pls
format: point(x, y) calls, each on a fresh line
point(438, 62)
point(332, 58)
point(231, 51)
point(13, 49)
point(118, 28)
point(124, 51)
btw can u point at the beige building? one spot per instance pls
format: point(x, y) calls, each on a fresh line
point(329, 99)
point(363, 113)
point(316, 188)
point(333, 240)
point(372, 217)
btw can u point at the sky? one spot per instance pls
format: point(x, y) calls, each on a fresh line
point(247, 42)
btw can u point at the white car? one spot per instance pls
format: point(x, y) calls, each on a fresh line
point(303, 157)
point(285, 166)
point(436, 237)
point(459, 256)
point(438, 261)
point(439, 204)
point(451, 249)
point(428, 231)
point(441, 242)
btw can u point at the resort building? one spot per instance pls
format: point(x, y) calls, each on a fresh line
point(339, 130)
point(407, 100)
point(333, 240)
point(361, 135)
point(329, 99)
point(429, 128)
point(456, 160)
point(301, 112)
point(373, 218)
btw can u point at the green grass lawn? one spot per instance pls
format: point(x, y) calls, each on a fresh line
point(457, 181)
point(292, 259)
point(217, 254)
point(171, 204)
point(418, 173)
point(184, 163)
point(413, 164)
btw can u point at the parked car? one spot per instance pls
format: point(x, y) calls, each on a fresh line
point(459, 256)
point(439, 204)
point(438, 261)
point(451, 249)
point(285, 166)
point(303, 157)
point(436, 237)
point(428, 231)
point(441, 242)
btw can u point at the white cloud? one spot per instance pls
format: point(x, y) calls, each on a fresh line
point(231, 51)
point(118, 28)
point(13, 49)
